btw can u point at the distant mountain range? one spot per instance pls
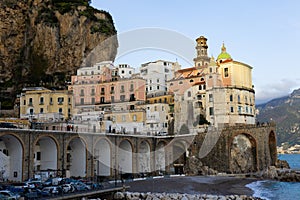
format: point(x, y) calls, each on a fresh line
point(285, 111)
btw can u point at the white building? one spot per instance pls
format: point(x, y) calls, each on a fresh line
point(125, 71)
point(156, 74)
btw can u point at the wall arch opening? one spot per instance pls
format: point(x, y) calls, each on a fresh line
point(102, 156)
point(272, 148)
point(45, 157)
point(243, 158)
point(124, 157)
point(144, 157)
point(11, 157)
point(76, 158)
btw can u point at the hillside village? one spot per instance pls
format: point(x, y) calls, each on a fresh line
point(158, 99)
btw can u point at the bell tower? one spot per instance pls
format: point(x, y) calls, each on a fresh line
point(202, 59)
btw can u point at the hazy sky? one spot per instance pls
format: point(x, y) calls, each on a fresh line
point(263, 34)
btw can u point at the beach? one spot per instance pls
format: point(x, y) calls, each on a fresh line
point(213, 185)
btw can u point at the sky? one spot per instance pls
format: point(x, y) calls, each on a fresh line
point(262, 34)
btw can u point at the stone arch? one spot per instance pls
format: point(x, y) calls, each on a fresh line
point(102, 157)
point(160, 157)
point(144, 157)
point(179, 152)
point(125, 160)
point(11, 157)
point(76, 157)
point(272, 148)
point(45, 154)
point(243, 154)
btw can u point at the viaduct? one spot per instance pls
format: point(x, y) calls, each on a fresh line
point(232, 149)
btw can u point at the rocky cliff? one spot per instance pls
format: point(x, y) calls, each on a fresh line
point(44, 42)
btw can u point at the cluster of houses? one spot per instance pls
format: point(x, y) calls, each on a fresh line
point(158, 99)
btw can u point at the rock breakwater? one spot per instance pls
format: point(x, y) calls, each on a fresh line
point(177, 196)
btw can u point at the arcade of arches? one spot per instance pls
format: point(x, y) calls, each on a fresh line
point(24, 153)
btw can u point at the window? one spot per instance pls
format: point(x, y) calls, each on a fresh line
point(231, 98)
point(246, 99)
point(51, 100)
point(157, 80)
point(157, 87)
point(226, 74)
point(69, 100)
point(134, 118)
point(240, 109)
point(239, 99)
point(41, 100)
point(180, 82)
point(162, 108)
point(112, 99)
point(24, 102)
point(124, 118)
point(210, 97)
point(210, 70)
point(191, 80)
point(211, 111)
point(82, 101)
point(189, 94)
point(122, 88)
point(60, 110)
point(155, 108)
point(82, 92)
point(200, 87)
point(122, 97)
point(204, 87)
point(231, 109)
point(102, 90)
point(92, 91)
point(31, 111)
point(60, 100)
point(30, 101)
point(112, 89)
point(93, 101)
point(38, 155)
point(150, 81)
point(41, 110)
point(131, 87)
point(246, 109)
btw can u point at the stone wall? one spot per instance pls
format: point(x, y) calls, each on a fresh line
point(238, 149)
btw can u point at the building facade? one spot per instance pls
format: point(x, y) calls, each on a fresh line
point(45, 105)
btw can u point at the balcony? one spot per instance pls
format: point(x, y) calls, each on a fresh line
point(122, 91)
point(112, 92)
point(102, 93)
point(81, 94)
point(30, 104)
point(92, 93)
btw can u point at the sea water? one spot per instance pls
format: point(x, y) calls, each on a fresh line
point(279, 190)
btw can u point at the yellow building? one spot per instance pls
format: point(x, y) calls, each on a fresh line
point(45, 105)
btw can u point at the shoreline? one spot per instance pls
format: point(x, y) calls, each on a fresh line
point(209, 185)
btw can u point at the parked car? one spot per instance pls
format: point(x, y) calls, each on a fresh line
point(52, 190)
point(10, 195)
point(66, 188)
point(81, 186)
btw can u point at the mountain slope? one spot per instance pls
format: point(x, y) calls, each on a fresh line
point(285, 111)
point(43, 42)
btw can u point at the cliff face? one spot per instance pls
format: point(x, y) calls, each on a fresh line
point(44, 42)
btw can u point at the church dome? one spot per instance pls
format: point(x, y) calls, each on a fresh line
point(224, 55)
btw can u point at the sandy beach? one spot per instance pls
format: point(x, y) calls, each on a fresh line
point(215, 185)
